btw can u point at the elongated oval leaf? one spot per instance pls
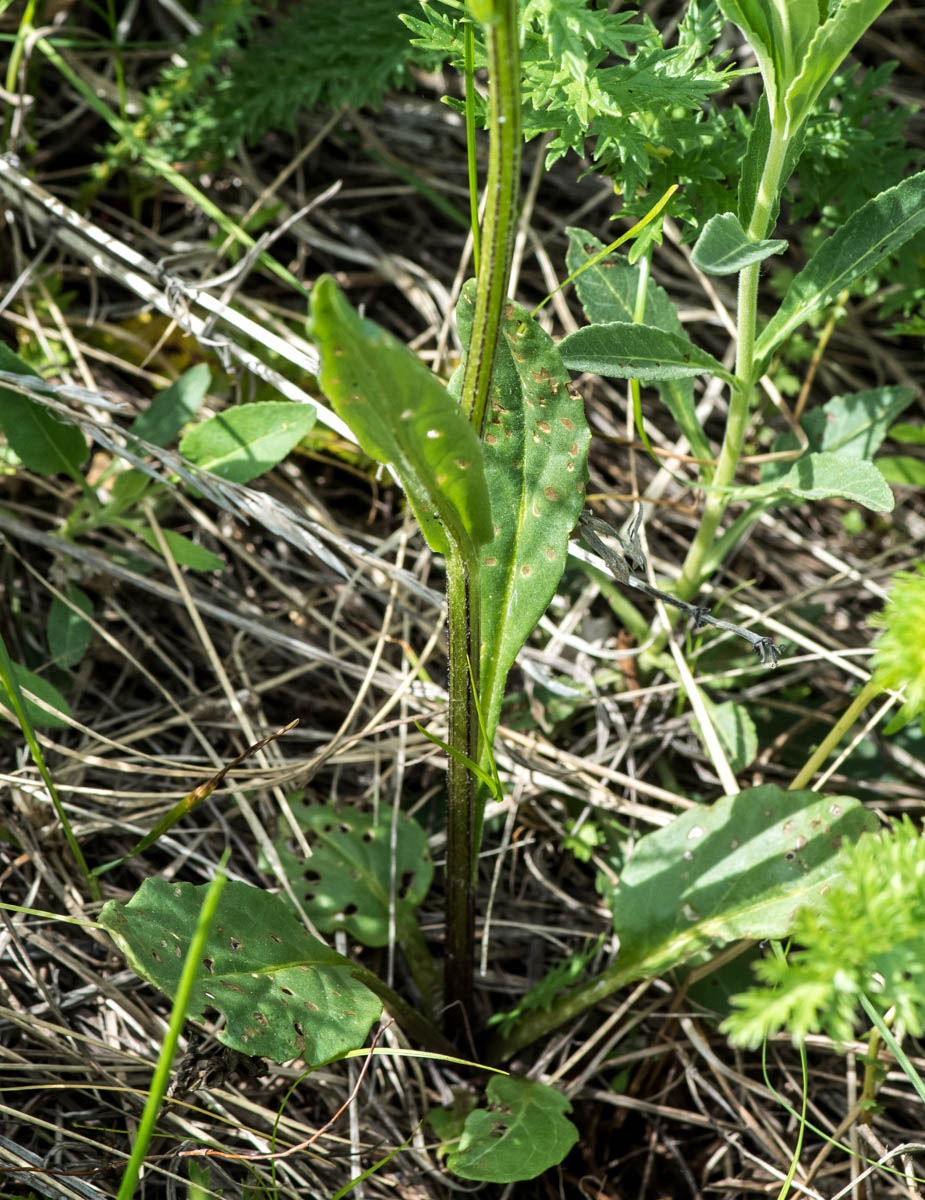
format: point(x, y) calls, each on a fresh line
point(248, 440)
point(283, 993)
point(607, 292)
point(68, 632)
point(403, 415)
point(186, 553)
point(173, 408)
point(739, 868)
point(44, 444)
point(522, 1133)
point(535, 453)
point(625, 351)
point(878, 228)
point(47, 710)
point(724, 248)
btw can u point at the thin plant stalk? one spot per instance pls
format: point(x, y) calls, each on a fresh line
point(502, 36)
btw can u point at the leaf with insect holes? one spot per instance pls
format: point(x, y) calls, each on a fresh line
point(877, 229)
point(346, 882)
point(282, 992)
point(738, 868)
point(248, 440)
point(622, 350)
point(724, 248)
point(535, 453)
point(44, 444)
point(607, 292)
point(522, 1132)
point(404, 416)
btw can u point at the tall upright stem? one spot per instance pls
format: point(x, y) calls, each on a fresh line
point(502, 38)
point(740, 396)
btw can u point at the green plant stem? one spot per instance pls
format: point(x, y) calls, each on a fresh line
point(867, 693)
point(501, 191)
point(464, 805)
point(695, 567)
point(462, 786)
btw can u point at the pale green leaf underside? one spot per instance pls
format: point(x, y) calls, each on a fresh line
point(535, 452)
point(403, 415)
point(248, 440)
point(724, 248)
point(623, 350)
point(824, 475)
point(878, 228)
point(738, 868)
point(283, 993)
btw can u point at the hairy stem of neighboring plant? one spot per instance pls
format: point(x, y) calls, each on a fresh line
point(463, 594)
point(694, 570)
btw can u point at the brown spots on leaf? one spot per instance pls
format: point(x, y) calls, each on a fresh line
point(573, 450)
point(535, 509)
point(554, 386)
point(550, 553)
point(509, 312)
point(551, 494)
point(541, 376)
point(491, 439)
point(544, 427)
point(570, 466)
point(526, 570)
point(490, 562)
point(566, 423)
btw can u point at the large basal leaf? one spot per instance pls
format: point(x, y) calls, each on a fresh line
point(625, 351)
point(878, 228)
point(739, 868)
point(853, 426)
point(522, 1133)
point(607, 292)
point(248, 440)
point(44, 444)
point(724, 247)
point(346, 882)
point(283, 994)
point(535, 453)
point(822, 476)
point(403, 415)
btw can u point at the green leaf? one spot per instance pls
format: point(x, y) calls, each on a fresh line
point(877, 229)
point(283, 993)
point(735, 730)
point(520, 1135)
point(853, 426)
point(820, 476)
point(345, 884)
point(248, 440)
point(403, 415)
point(913, 434)
point(185, 552)
point(68, 633)
point(831, 42)
point(173, 408)
point(44, 444)
point(46, 711)
point(607, 292)
point(625, 351)
point(739, 868)
point(753, 163)
point(902, 468)
point(535, 450)
point(724, 247)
